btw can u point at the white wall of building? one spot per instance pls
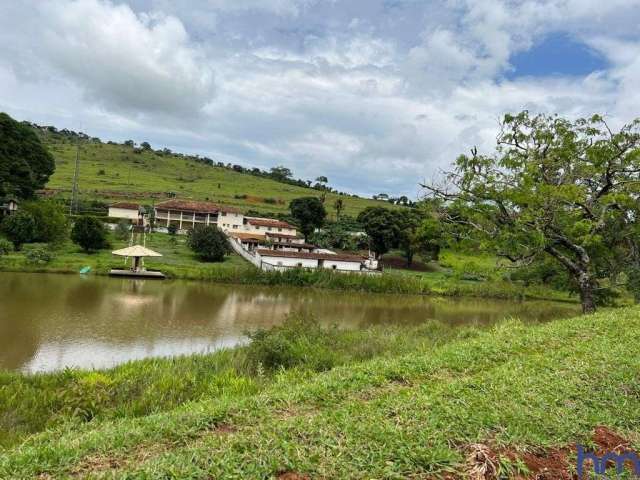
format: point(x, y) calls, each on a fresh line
point(126, 213)
point(342, 265)
point(290, 262)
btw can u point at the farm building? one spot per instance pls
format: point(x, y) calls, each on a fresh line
point(8, 206)
point(280, 259)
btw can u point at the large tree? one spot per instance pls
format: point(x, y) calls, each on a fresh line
point(382, 227)
point(553, 188)
point(25, 165)
point(89, 233)
point(208, 242)
point(309, 212)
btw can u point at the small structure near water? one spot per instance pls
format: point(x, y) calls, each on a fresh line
point(137, 253)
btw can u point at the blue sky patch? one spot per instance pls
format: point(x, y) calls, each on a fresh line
point(556, 54)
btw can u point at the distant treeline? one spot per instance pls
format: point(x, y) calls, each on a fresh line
point(279, 173)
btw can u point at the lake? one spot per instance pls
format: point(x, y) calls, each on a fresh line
point(49, 322)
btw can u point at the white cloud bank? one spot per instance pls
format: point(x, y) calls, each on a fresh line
point(348, 100)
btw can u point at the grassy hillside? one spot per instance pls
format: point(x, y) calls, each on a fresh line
point(117, 172)
point(505, 403)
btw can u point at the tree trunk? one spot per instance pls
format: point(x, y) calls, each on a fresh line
point(409, 256)
point(586, 293)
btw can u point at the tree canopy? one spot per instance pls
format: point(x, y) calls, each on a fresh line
point(208, 243)
point(25, 164)
point(89, 233)
point(309, 212)
point(555, 188)
point(382, 227)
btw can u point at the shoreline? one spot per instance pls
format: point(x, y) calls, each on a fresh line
point(386, 284)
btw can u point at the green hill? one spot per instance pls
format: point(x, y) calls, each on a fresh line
point(110, 171)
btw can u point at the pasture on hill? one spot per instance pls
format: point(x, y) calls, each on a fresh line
point(111, 172)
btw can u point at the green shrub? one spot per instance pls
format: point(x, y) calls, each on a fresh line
point(89, 233)
point(51, 225)
point(19, 228)
point(38, 255)
point(5, 246)
point(298, 342)
point(123, 230)
point(208, 243)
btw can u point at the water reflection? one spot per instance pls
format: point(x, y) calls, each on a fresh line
point(48, 322)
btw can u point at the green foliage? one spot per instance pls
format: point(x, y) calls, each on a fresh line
point(556, 188)
point(51, 222)
point(25, 165)
point(633, 282)
point(5, 246)
point(39, 256)
point(208, 243)
point(299, 341)
point(309, 212)
point(382, 227)
point(172, 229)
point(19, 228)
point(89, 233)
point(123, 230)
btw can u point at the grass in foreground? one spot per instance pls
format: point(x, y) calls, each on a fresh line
point(408, 416)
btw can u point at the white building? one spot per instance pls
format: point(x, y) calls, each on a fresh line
point(282, 260)
point(126, 210)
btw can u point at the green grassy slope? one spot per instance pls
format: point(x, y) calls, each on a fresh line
point(515, 388)
point(115, 172)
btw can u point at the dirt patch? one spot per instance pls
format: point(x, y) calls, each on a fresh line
point(483, 461)
point(292, 476)
point(401, 264)
point(609, 441)
point(224, 429)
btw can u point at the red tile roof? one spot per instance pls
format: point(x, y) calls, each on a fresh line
point(194, 206)
point(268, 222)
point(311, 256)
point(248, 236)
point(282, 235)
point(126, 205)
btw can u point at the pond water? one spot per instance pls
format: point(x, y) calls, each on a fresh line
point(49, 322)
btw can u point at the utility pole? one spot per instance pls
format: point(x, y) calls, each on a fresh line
point(74, 191)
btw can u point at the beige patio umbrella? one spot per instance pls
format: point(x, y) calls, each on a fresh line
point(136, 252)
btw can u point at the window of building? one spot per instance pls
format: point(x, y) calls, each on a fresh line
point(334, 267)
point(300, 264)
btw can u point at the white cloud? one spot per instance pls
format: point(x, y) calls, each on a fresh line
point(372, 107)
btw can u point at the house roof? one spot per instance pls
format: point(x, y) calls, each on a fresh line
point(248, 236)
point(294, 245)
point(125, 205)
point(268, 222)
point(194, 206)
point(311, 256)
point(282, 235)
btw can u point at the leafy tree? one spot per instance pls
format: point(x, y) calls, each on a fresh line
point(5, 246)
point(51, 222)
point(129, 143)
point(123, 230)
point(554, 188)
point(382, 227)
point(145, 145)
point(309, 212)
point(208, 243)
point(89, 233)
point(339, 206)
point(25, 164)
point(19, 228)
point(280, 173)
point(322, 179)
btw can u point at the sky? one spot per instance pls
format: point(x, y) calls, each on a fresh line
point(377, 95)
